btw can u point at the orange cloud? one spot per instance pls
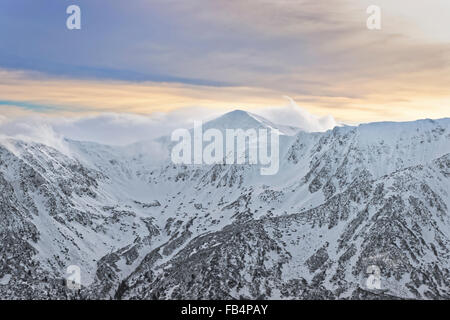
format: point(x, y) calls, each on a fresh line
point(69, 97)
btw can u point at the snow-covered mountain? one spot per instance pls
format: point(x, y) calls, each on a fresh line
point(140, 227)
point(239, 119)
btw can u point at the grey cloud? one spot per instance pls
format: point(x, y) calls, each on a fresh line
point(126, 128)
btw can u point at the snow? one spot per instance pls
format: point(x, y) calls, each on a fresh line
point(138, 181)
point(5, 279)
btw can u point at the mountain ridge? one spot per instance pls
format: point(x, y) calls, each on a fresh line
point(343, 200)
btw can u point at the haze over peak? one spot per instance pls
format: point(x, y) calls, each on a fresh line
point(240, 119)
point(126, 128)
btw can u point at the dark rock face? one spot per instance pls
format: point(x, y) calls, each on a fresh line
point(344, 204)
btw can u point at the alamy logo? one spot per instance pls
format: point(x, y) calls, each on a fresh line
point(374, 279)
point(74, 20)
point(374, 20)
point(239, 147)
point(73, 278)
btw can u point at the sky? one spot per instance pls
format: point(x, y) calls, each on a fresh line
point(204, 57)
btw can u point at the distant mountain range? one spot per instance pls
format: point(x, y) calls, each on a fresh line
point(344, 202)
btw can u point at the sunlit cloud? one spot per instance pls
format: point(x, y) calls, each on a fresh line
point(223, 55)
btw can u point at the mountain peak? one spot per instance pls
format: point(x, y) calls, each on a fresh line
point(237, 112)
point(240, 119)
point(235, 115)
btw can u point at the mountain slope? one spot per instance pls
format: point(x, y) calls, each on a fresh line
point(139, 226)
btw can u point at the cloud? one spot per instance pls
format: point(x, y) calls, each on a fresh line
point(35, 93)
point(127, 128)
point(31, 129)
point(293, 115)
point(39, 92)
point(305, 47)
point(228, 54)
point(106, 128)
